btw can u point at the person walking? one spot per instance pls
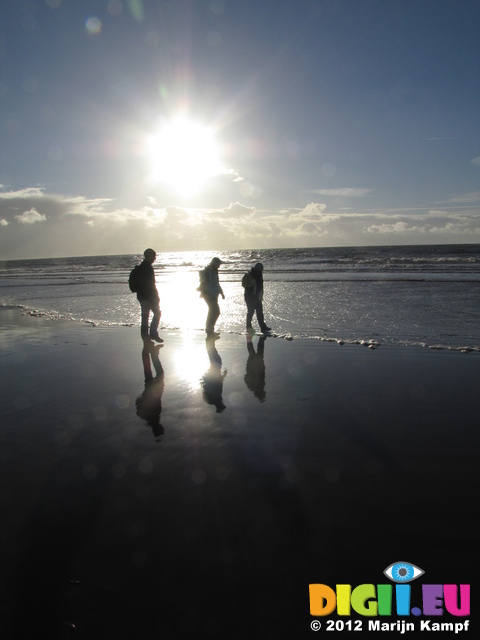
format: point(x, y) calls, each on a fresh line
point(252, 282)
point(210, 289)
point(142, 281)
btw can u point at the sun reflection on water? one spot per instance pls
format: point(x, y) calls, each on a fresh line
point(191, 360)
point(181, 305)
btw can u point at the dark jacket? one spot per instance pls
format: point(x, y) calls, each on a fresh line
point(147, 289)
point(255, 290)
point(210, 285)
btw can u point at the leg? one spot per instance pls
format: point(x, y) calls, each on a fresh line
point(250, 311)
point(155, 307)
point(213, 313)
point(260, 318)
point(145, 307)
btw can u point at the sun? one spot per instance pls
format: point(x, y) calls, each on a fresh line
point(184, 155)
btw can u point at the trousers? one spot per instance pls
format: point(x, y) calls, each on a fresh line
point(254, 305)
point(148, 306)
point(213, 313)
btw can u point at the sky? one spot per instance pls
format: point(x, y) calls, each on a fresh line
point(230, 124)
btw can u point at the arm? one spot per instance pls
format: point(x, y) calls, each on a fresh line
point(152, 286)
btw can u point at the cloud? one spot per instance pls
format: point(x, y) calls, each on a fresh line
point(467, 198)
point(431, 223)
point(75, 225)
point(397, 227)
point(31, 217)
point(25, 205)
point(346, 192)
point(476, 160)
point(234, 210)
point(22, 194)
point(233, 175)
point(312, 211)
point(98, 216)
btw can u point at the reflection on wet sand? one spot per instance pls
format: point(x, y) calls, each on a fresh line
point(212, 381)
point(149, 403)
point(255, 370)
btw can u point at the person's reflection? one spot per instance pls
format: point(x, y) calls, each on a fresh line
point(149, 403)
point(212, 381)
point(255, 374)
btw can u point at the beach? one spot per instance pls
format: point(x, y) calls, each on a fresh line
point(196, 490)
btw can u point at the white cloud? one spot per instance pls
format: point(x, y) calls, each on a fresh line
point(308, 229)
point(77, 225)
point(312, 211)
point(232, 174)
point(31, 217)
point(434, 222)
point(346, 192)
point(397, 227)
point(468, 198)
point(98, 216)
point(90, 207)
point(22, 194)
point(233, 210)
point(17, 204)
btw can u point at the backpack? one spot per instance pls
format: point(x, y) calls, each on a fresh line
point(202, 274)
point(247, 280)
point(134, 279)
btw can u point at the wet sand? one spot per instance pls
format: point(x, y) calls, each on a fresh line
point(203, 501)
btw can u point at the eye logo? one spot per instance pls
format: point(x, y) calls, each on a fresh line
point(403, 572)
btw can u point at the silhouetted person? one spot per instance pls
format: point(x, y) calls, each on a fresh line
point(210, 289)
point(253, 285)
point(149, 403)
point(255, 374)
point(212, 381)
point(147, 295)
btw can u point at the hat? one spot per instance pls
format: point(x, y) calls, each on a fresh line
point(258, 266)
point(216, 261)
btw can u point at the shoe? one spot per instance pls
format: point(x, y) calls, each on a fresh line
point(250, 330)
point(156, 337)
point(266, 329)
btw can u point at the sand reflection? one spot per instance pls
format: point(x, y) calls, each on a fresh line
point(255, 369)
point(212, 380)
point(149, 403)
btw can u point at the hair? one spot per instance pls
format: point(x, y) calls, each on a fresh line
point(148, 254)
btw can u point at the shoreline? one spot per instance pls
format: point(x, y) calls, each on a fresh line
point(372, 343)
point(217, 491)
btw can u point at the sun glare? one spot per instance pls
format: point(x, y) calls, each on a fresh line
point(184, 156)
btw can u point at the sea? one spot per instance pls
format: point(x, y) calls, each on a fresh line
point(426, 296)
